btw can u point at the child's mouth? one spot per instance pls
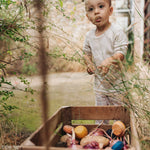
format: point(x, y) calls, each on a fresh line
point(98, 19)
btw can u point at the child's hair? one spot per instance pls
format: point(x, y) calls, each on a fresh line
point(109, 1)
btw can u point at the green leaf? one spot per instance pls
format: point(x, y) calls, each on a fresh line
point(61, 3)
point(9, 52)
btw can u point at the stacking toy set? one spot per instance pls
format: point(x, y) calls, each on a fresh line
point(73, 127)
point(78, 137)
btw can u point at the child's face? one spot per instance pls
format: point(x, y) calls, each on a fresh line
point(98, 12)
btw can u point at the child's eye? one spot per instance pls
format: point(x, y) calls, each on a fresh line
point(101, 6)
point(90, 9)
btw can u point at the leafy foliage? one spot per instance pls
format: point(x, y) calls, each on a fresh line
point(14, 46)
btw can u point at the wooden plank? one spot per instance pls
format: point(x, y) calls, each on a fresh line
point(147, 16)
point(138, 31)
point(56, 136)
point(31, 148)
point(101, 113)
point(52, 123)
point(36, 138)
point(65, 119)
point(134, 135)
point(66, 115)
point(28, 142)
point(38, 148)
point(147, 41)
point(43, 148)
point(146, 29)
point(146, 5)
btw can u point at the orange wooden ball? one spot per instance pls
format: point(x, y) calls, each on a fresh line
point(68, 128)
point(118, 128)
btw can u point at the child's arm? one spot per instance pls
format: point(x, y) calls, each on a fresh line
point(89, 63)
point(113, 60)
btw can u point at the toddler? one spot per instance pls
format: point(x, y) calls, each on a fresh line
point(104, 48)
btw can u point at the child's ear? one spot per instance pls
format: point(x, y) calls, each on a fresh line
point(111, 10)
point(87, 15)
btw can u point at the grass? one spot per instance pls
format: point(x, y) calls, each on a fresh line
point(136, 98)
point(27, 118)
point(27, 115)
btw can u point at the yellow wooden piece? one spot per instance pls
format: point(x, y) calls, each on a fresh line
point(81, 131)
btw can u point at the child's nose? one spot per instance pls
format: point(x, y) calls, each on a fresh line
point(96, 10)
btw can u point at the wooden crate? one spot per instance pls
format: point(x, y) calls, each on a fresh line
point(65, 115)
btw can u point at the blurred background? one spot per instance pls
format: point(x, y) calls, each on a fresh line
point(68, 84)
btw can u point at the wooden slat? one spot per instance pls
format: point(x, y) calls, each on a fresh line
point(37, 136)
point(66, 115)
point(147, 41)
point(32, 148)
point(65, 119)
point(56, 136)
point(146, 29)
point(147, 25)
point(146, 5)
point(100, 113)
point(43, 148)
point(62, 115)
point(134, 135)
point(147, 16)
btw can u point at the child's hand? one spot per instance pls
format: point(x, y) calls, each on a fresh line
point(103, 70)
point(90, 69)
point(113, 60)
point(104, 67)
